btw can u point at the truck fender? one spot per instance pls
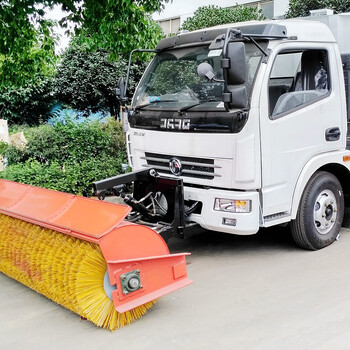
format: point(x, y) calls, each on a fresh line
point(314, 164)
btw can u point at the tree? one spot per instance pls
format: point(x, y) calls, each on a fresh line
point(27, 58)
point(120, 26)
point(30, 62)
point(26, 43)
point(87, 80)
point(209, 16)
point(117, 25)
point(26, 72)
point(301, 8)
point(28, 104)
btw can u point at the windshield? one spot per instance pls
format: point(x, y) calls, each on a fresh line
point(172, 81)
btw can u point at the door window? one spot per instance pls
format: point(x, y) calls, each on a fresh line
point(297, 79)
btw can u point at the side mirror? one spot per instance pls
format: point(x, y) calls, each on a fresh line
point(235, 63)
point(235, 74)
point(120, 90)
point(205, 70)
point(236, 97)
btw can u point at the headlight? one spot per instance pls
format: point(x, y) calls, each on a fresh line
point(232, 205)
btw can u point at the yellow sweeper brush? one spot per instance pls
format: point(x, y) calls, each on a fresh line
point(80, 253)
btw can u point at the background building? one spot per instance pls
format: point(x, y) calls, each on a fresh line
point(175, 13)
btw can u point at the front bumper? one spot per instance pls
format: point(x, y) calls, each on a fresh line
point(210, 219)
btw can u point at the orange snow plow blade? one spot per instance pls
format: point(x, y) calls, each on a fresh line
point(135, 268)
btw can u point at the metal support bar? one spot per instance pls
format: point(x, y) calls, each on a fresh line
point(129, 64)
point(102, 186)
point(145, 182)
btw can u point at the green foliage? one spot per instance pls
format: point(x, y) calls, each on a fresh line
point(70, 178)
point(209, 16)
point(29, 104)
point(27, 62)
point(120, 26)
point(87, 80)
point(13, 154)
point(301, 8)
point(68, 157)
point(115, 25)
point(17, 32)
point(73, 142)
point(3, 147)
point(26, 52)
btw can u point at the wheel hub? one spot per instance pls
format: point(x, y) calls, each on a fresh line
point(325, 212)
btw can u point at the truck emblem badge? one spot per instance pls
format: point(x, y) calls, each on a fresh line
point(175, 166)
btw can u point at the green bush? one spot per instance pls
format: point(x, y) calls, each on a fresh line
point(71, 177)
point(72, 142)
point(68, 157)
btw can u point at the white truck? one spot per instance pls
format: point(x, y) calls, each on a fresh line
point(242, 126)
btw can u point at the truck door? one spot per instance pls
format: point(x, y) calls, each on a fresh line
point(300, 104)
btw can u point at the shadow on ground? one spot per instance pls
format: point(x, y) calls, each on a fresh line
point(274, 238)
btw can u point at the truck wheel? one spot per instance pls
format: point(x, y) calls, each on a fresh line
point(320, 212)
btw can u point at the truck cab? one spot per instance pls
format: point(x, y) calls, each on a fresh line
point(252, 117)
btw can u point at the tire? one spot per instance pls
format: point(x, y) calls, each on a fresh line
point(320, 213)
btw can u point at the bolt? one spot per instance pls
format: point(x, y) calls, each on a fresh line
point(134, 283)
point(326, 223)
point(122, 278)
point(332, 220)
point(323, 215)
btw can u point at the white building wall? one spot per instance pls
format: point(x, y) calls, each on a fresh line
point(183, 9)
point(280, 8)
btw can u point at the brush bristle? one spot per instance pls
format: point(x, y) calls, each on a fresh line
point(65, 269)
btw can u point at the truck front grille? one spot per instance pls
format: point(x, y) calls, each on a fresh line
point(201, 168)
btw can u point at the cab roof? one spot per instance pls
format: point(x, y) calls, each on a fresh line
point(300, 30)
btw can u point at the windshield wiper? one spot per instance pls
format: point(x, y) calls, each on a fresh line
point(185, 108)
point(151, 103)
